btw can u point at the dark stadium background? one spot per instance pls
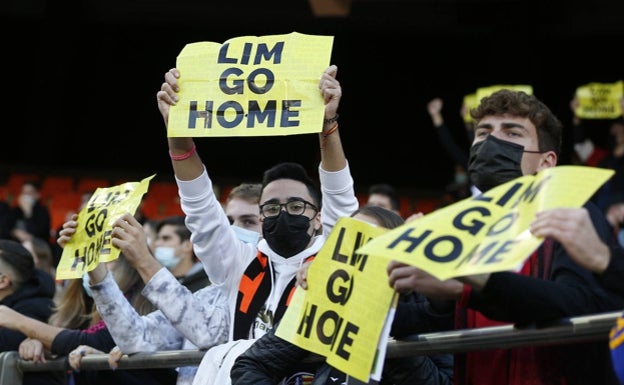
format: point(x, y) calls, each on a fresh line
point(80, 77)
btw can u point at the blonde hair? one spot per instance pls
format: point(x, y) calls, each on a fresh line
point(76, 310)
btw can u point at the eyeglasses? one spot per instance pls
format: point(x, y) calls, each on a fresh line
point(293, 207)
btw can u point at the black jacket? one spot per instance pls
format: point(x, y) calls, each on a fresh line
point(195, 279)
point(613, 277)
point(38, 224)
point(271, 358)
point(35, 300)
point(558, 288)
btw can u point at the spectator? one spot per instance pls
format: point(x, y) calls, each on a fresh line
point(460, 187)
point(206, 314)
point(515, 135)
point(61, 341)
point(241, 208)
point(610, 197)
point(270, 358)
point(574, 229)
point(384, 195)
point(204, 325)
point(30, 217)
point(258, 279)
point(42, 253)
point(174, 250)
point(455, 150)
point(27, 291)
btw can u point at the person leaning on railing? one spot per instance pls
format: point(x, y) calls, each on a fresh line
point(516, 134)
point(573, 228)
point(27, 292)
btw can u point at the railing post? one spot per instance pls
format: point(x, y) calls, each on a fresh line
point(10, 374)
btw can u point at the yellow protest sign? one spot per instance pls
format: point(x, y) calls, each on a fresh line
point(470, 102)
point(599, 100)
point(489, 232)
point(341, 315)
point(91, 243)
point(489, 90)
point(251, 86)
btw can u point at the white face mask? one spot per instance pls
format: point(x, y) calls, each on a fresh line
point(28, 200)
point(166, 256)
point(247, 236)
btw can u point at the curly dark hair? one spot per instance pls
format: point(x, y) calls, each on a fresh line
point(519, 103)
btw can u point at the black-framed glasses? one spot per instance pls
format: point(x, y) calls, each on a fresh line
point(293, 207)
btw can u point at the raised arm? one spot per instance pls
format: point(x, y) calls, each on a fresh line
point(339, 198)
point(332, 153)
point(187, 164)
point(206, 315)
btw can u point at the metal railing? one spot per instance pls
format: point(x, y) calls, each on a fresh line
point(565, 331)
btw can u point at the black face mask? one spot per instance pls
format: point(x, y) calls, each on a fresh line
point(493, 162)
point(287, 234)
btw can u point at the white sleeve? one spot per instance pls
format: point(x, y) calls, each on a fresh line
point(131, 331)
point(339, 198)
point(214, 242)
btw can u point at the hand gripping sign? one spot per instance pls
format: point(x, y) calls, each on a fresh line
point(342, 314)
point(489, 232)
point(91, 243)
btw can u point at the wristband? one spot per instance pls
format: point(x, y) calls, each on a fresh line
point(184, 156)
point(327, 133)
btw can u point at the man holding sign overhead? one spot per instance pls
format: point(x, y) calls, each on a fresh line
point(517, 135)
point(289, 89)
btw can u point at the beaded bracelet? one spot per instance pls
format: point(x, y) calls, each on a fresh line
point(186, 155)
point(331, 120)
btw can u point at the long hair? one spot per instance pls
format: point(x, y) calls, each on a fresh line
point(131, 284)
point(74, 308)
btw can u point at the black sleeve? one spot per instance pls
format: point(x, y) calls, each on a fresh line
point(569, 291)
point(435, 369)
point(613, 277)
point(39, 223)
point(414, 315)
point(267, 361)
point(459, 154)
point(10, 339)
point(69, 339)
point(578, 133)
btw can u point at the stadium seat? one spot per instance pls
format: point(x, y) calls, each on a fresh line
point(55, 184)
point(90, 184)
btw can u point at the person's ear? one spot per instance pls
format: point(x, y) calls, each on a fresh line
point(548, 159)
point(318, 224)
point(187, 246)
point(5, 281)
